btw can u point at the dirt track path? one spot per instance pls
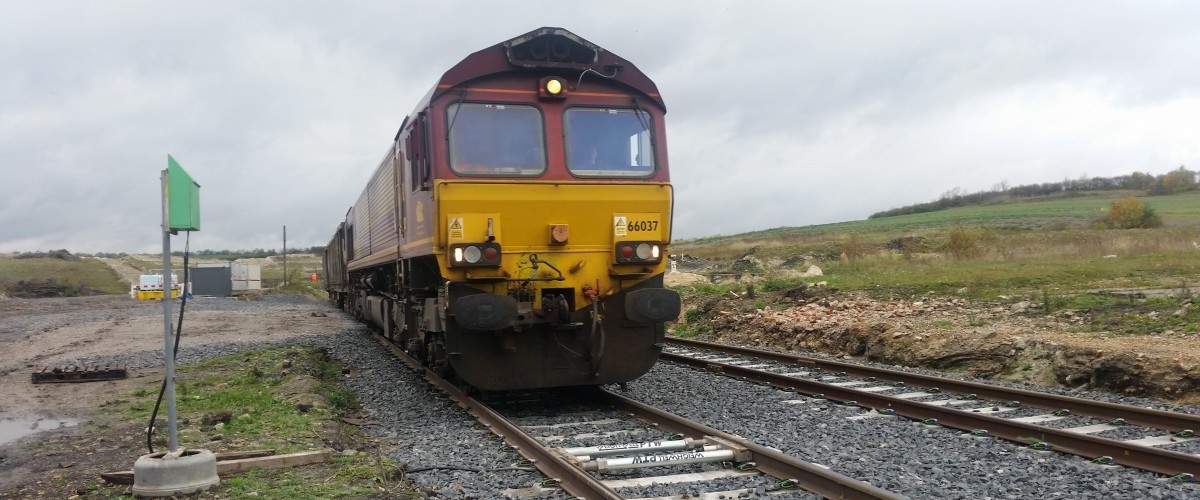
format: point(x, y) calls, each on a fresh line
point(127, 273)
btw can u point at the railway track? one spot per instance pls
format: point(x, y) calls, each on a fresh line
point(671, 442)
point(1042, 421)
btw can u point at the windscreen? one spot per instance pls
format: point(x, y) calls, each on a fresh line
point(606, 142)
point(496, 139)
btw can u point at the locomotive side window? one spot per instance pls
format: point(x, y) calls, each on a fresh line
point(417, 153)
point(604, 142)
point(495, 139)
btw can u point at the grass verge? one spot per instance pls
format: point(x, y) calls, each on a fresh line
point(71, 277)
point(288, 399)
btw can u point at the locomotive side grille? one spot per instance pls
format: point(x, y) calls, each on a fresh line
point(552, 50)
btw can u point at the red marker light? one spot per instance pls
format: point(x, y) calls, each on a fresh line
point(490, 254)
point(627, 252)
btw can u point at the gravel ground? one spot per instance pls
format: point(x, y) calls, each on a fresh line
point(435, 438)
point(427, 428)
point(892, 453)
point(193, 349)
point(1063, 391)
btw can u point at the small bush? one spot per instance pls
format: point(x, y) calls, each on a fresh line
point(694, 314)
point(691, 331)
point(854, 249)
point(1130, 213)
point(342, 400)
point(775, 284)
point(963, 243)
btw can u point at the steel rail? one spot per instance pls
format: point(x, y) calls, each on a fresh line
point(578, 482)
point(1146, 417)
point(570, 478)
point(1165, 462)
point(808, 476)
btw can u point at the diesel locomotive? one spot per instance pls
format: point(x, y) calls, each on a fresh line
point(515, 232)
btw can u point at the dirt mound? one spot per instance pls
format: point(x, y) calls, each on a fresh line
point(689, 262)
point(961, 336)
point(62, 254)
point(34, 289)
point(746, 264)
point(806, 293)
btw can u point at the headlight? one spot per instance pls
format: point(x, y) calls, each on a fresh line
point(552, 87)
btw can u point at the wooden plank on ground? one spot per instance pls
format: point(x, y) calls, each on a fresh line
point(223, 456)
point(226, 466)
point(274, 462)
point(76, 373)
point(121, 477)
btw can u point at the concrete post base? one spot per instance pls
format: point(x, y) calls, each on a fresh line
point(179, 473)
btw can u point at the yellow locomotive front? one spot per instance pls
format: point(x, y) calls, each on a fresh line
point(553, 212)
point(516, 231)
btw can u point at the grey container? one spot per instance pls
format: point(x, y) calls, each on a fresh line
point(212, 280)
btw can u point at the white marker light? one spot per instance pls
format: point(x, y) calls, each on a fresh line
point(458, 254)
point(643, 251)
point(473, 254)
point(654, 251)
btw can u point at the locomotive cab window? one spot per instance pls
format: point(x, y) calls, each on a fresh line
point(604, 142)
point(495, 139)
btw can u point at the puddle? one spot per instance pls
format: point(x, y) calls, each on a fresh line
point(14, 428)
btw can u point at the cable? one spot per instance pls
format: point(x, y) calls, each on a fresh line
point(590, 70)
point(183, 295)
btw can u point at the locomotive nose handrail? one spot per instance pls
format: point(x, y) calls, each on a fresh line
point(533, 259)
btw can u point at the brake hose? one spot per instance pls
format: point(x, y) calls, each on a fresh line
point(597, 354)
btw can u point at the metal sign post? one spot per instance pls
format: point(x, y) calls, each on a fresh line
point(177, 471)
point(168, 338)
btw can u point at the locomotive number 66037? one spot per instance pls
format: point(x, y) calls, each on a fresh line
point(516, 230)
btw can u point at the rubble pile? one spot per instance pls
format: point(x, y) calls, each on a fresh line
point(977, 339)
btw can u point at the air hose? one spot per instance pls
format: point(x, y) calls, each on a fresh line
point(183, 295)
point(597, 342)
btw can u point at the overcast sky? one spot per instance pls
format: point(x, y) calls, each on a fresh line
point(779, 113)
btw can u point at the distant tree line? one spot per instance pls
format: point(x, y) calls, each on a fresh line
point(257, 253)
point(1175, 181)
point(49, 254)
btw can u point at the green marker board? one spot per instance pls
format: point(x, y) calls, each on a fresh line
point(183, 199)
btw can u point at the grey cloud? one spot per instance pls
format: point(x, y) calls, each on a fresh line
point(780, 113)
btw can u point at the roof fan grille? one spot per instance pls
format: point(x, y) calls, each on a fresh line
point(554, 50)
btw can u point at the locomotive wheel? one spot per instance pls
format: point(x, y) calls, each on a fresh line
point(435, 355)
point(417, 350)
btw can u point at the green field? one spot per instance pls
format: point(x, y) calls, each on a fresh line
point(81, 276)
point(1078, 212)
point(1016, 248)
